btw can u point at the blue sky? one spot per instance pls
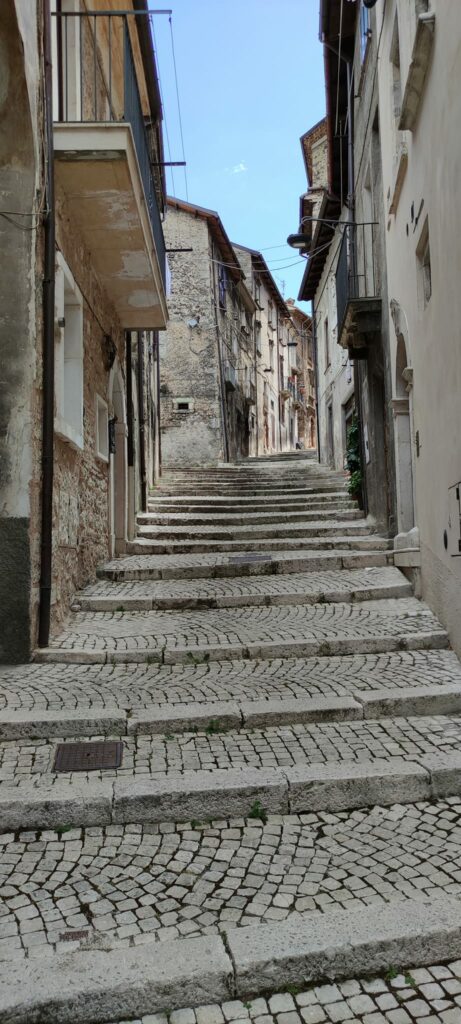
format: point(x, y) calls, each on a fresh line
point(250, 76)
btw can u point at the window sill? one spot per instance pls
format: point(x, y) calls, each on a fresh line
point(102, 458)
point(68, 434)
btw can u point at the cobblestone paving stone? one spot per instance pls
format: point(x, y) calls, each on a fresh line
point(146, 630)
point(132, 884)
point(131, 686)
point(428, 994)
point(394, 740)
point(300, 587)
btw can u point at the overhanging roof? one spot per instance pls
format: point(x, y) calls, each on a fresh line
point(322, 238)
point(218, 232)
point(261, 268)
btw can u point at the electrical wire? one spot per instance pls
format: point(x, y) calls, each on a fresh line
point(151, 20)
point(179, 106)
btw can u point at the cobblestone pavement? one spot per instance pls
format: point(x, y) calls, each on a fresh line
point(393, 740)
point(223, 614)
point(122, 885)
point(294, 588)
point(428, 994)
point(164, 631)
point(58, 686)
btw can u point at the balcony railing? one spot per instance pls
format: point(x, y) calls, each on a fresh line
point(96, 82)
point(355, 271)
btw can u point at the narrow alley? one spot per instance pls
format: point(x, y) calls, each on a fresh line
point(286, 718)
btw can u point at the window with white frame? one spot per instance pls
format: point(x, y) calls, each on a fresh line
point(102, 429)
point(68, 356)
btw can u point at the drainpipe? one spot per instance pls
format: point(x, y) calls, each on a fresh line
point(46, 540)
point(142, 423)
point(316, 376)
point(158, 410)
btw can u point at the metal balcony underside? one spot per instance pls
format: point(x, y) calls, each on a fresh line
point(360, 327)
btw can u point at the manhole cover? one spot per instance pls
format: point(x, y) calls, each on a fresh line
point(86, 757)
point(250, 558)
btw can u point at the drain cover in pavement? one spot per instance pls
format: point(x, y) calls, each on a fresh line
point(250, 558)
point(86, 757)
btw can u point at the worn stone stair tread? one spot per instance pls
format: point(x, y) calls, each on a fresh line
point(216, 531)
point(228, 714)
point(49, 802)
point(239, 563)
point(90, 987)
point(378, 679)
point(360, 542)
point(219, 634)
point(300, 588)
point(257, 518)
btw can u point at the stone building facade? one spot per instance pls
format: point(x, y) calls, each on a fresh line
point(108, 281)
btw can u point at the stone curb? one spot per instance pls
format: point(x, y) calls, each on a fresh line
point(203, 547)
point(227, 793)
point(85, 988)
point(217, 716)
point(436, 639)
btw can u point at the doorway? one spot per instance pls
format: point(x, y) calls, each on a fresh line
point(118, 463)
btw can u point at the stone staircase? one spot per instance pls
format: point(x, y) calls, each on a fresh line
point(289, 715)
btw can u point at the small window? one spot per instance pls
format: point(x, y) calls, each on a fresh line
point(326, 339)
point(68, 356)
point(396, 75)
point(423, 255)
point(102, 429)
point(257, 290)
point(270, 313)
point(183, 404)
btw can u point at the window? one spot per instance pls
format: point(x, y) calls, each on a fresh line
point(102, 429)
point(68, 356)
point(271, 355)
point(183, 405)
point(257, 291)
point(270, 313)
point(258, 336)
point(222, 285)
point(396, 82)
point(423, 255)
point(326, 342)
point(365, 30)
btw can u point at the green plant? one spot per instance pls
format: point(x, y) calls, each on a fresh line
point(353, 457)
point(409, 980)
point(258, 811)
point(214, 726)
point(391, 973)
point(60, 829)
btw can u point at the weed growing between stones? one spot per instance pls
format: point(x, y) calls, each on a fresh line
point(258, 811)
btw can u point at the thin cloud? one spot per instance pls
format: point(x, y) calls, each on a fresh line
point(239, 168)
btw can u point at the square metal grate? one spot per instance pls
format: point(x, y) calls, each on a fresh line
point(87, 757)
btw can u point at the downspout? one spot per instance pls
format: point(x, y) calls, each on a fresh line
point(130, 436)
point(142, 423)
point(158, 410)
point(316, 376)
point(46, 539)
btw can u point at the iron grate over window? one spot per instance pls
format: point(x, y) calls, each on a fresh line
point(88, 757)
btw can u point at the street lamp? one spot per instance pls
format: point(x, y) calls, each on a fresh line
point(302, 241)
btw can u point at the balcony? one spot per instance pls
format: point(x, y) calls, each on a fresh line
point(103, 162)
point(285, 388)
point(358, 305)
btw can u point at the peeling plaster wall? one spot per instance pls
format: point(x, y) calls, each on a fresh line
point(20, 299)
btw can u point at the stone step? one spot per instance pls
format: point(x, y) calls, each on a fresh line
point(242, 563)
point(251, 531)
point(142, 794)
point(179, 518)
point(235, 715)
point(228, 633)
point(220, 506)
point(87, 987)
point(347, 539)
point(295, 588)
point(383, 684)
point(250, 491)
point(280, 502)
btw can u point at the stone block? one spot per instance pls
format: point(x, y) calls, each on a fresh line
point(223, 793)
point(121, 984)
point(43, 724)
point(445, 773)
point(343, 944)
point(161, 718)
point(344, 785)
point(316, 709)
point(79, 804)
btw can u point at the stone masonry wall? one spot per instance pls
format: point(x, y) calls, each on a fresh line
point(189, 371)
